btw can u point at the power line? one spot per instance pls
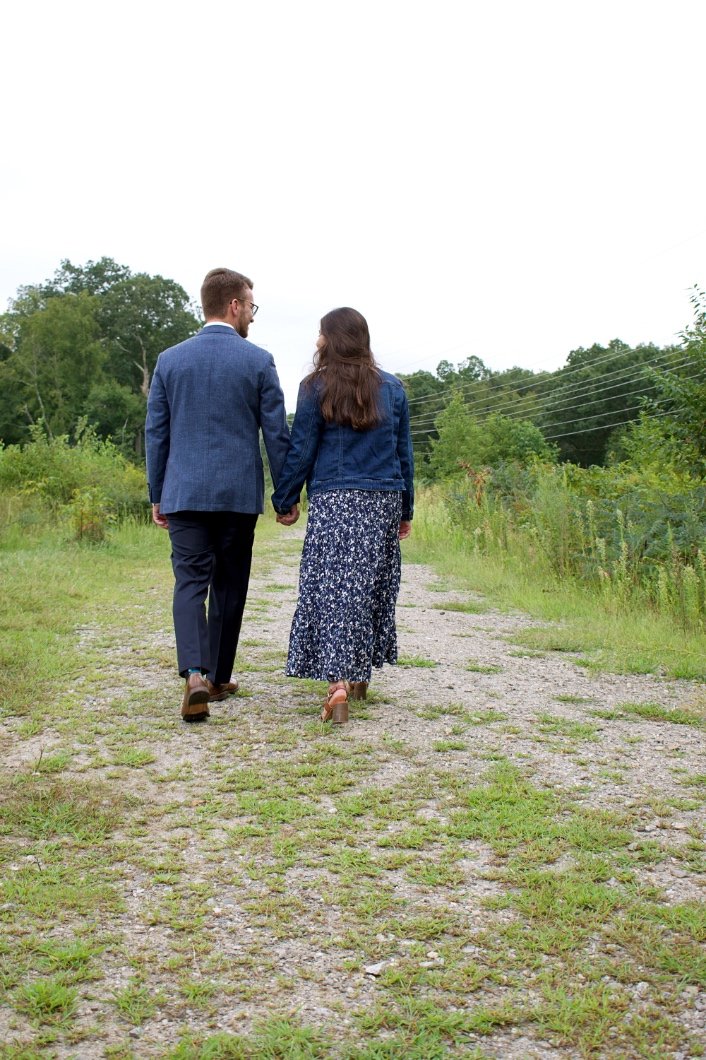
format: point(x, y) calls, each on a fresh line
point(528, 386)
point(603, 426)
point(587, 430)
point(548, 405)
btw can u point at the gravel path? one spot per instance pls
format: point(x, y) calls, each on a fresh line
point(234, 879)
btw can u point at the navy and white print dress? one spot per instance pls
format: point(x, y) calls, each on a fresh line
point(349, 578)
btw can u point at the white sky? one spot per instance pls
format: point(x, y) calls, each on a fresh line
point(507, 178)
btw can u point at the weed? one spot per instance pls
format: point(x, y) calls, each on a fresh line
point(46, 1001)
point(656, 712)
point(481, 668)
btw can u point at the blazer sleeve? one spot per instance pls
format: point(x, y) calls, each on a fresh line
point(306, 434)
point(157, 435)
point(273, 421)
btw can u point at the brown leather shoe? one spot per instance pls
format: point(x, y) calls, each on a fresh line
point(359, 690)
point(218, 692)
point(194, 706)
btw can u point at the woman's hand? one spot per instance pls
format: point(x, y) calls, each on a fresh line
point(405, 529)
point(291, 517)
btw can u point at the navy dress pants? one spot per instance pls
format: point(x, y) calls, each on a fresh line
point(211, 555)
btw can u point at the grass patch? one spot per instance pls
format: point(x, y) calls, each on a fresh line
point(619, 639)
point(42, 809)
point(46, 1001)
point(415, 660)
point(481, 668)
point(656, 712)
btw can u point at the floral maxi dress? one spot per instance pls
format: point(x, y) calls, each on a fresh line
point(344, 623)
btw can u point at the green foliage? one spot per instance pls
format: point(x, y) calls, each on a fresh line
point(608, 528)
point(84, 344)
point(465, 441)
point(56, 357)
point(669, 440)
point(599, 389)
point(89, 481)
point(46, 1001)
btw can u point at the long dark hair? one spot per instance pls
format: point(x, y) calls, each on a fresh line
point(345, 373)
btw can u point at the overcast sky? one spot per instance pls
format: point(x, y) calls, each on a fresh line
point(509, 179)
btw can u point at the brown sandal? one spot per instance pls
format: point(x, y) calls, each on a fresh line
point(335, 706)
point(359, 689)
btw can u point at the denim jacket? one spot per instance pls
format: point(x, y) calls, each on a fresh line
point(328, 456)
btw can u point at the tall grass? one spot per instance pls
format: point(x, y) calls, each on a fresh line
point(549, 554)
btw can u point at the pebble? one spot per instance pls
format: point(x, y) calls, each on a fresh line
point(374, 969)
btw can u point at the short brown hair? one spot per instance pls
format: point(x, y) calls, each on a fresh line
point(219, 288)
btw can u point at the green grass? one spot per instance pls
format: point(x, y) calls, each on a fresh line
point(46, 1001)
point(656, 712)
point(157, 881)
point(482, 668)
point(415, 660)
point(608, 637)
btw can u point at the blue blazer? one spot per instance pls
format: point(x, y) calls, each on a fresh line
point(209, 399)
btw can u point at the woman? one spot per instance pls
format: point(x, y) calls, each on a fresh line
point(352, 446)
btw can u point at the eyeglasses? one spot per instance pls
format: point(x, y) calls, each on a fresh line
point(252, 305)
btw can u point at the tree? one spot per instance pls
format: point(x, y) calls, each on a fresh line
point(56, 361)
point(426, 397)
point(84, 344)
point(465, 441)
point(139, 317)
point(670, 437)
point(115, 412)
point(598, 391)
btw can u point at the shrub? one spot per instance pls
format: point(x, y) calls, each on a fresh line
point(59, 472)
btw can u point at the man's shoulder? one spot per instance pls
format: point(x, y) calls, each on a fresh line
point(224, 336)
point(230, 338)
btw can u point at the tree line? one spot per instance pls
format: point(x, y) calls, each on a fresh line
point(81, 347)
point(590, 412)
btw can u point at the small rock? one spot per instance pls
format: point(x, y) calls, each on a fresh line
point(374, 969)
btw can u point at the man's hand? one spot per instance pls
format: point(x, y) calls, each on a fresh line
point(160, 520)
point(290, 518)
point(405, 529)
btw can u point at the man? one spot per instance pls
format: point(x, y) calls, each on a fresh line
point(210, 397)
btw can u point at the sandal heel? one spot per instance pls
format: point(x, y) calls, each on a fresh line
point(340, 714)
point(336, 703)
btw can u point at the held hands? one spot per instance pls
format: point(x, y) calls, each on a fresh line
point(290, 518)
point(160, 520)
point(405, 529)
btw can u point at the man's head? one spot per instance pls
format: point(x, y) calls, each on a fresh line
point(228, 296)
